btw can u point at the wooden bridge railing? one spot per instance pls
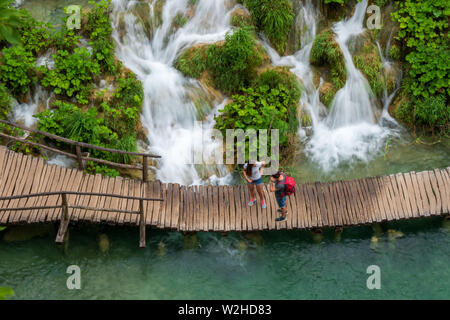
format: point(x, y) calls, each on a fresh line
point(65, 206)
point(82, 158)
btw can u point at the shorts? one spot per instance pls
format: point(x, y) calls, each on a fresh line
point(281, 201)
point(257, 181)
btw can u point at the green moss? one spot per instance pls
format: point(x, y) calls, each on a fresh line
point(395, 52)
point(326, 51)
point(5, 102)
point(232, 65)
point(274, 18)
point(192, 62)
point(371, 67)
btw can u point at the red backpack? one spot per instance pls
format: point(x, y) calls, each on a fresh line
point(290, 185)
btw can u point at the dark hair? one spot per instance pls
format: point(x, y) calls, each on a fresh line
point(248, 169)
point(276, 175)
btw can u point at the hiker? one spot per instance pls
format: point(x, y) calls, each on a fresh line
point(253, 175)
point(283, 186)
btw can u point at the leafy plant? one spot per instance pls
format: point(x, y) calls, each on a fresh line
point(99, 30)
point(10, 21)
point(325, 51)
point(274, 18)
point(72, 74)
point(5, 102)
point(233, 65)
point(193, 61)
point(35, 35)
point(16, 66)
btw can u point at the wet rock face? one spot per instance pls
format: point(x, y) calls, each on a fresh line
point(27, 232)
point(103, 243)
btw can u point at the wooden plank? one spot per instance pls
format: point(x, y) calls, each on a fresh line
point(329, 204)
point(198, 212)
point(227, 226)
point(112, 203)
point(245, 197)
point(363, 207)
point(238, 207)
point(310, 202)
point(68, 178)
point(367, 201)
point(138, 192)
point(332, 187)
point(210, 196)
point(219, 224)
point(22, 187)
point(175, 206)
point(411, 194)
point(192, 206)
point(182, 222)
point(401, 204)
point(301, 205)
point(42, 176)
point(393, 196)
point(445, 194)
point(322, 204)
point(232, 225)
point(377, 209)
point(402, 184)
point(424, 194)
point(346, 212)
point(386, 203)
point(165, 206)
point(425, 180)
point(437, 194)
point(19, 162)
point(9, 169)
point(123, 203)
point(294, 215)
point(36, 176)
point(379, 198)
point(106, 184)
point(417, 194)
point(169, 210)
point(88, 216)
point(203, 208)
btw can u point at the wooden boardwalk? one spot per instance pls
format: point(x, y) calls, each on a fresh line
point(216, 208)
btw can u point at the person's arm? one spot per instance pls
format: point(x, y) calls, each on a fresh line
point(261, 167)
point(245, 175)
point(272, 185)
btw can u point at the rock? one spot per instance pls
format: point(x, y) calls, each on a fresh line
point(327, 92)
point(374, 243)
point(27, 232)
point(377, 230)
point(255, 237)
point(103, 243)
point(338, 234)
point(394, 234)
point(240, 17)
point(242, 245)
point(317, 235)
point(190, 241)
point(161, 249)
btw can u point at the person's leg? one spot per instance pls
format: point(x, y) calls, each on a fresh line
point(282, 204)
point(260, 193)
point(251, 187)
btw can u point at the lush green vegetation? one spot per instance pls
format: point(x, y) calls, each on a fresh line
point(424, 36)
point(233, 65)
point(72, 75)
point(9, 23)
point(325, 51)
point(270, 103)
point(16, 69)
point(274, 18)
point(5, 102)
point(111, 120)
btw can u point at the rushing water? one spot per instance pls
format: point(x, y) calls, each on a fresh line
point(351, 141)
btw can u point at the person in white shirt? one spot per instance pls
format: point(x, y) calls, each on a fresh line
point(253, 175)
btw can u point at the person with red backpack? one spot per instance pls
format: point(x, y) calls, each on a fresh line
point(283, 186)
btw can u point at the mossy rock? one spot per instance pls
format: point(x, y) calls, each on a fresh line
point(103, 243)
point(326, 52)
point(27, 232)
point(192, 62)
point(255, 237)
point(327, 91)
point(240, 17)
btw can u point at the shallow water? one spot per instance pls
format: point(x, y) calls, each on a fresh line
point(283, 265)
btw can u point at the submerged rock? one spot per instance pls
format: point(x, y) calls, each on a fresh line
point(161, 249)
point(317, 236)
point(190, 241)
point(103, 243)
point(377, 230)
point(27, 232)
point(394, 234)
point(255, 237)
point(242, 245)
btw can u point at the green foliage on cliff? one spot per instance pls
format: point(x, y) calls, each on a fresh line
point(72, 74)
point(5, 102)
point(16, 69)
point(424, 35)
point(233, 65)
point(98, 30)
point(325, 51)
point(274, 18)
point(192, 62)
point(10, 21)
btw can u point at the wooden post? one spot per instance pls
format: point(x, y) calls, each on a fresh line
point(142, 224)
point(79, 157)
point(64, 220)
point(144, 168)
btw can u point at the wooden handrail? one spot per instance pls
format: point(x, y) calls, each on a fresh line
point(78, 145)
point(57, 193)
point(65, 206)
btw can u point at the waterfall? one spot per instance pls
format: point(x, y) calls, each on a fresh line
point(169, 114)
point(350, 133)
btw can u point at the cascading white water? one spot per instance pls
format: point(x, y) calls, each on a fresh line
point(350, 132)
point(168, 113)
